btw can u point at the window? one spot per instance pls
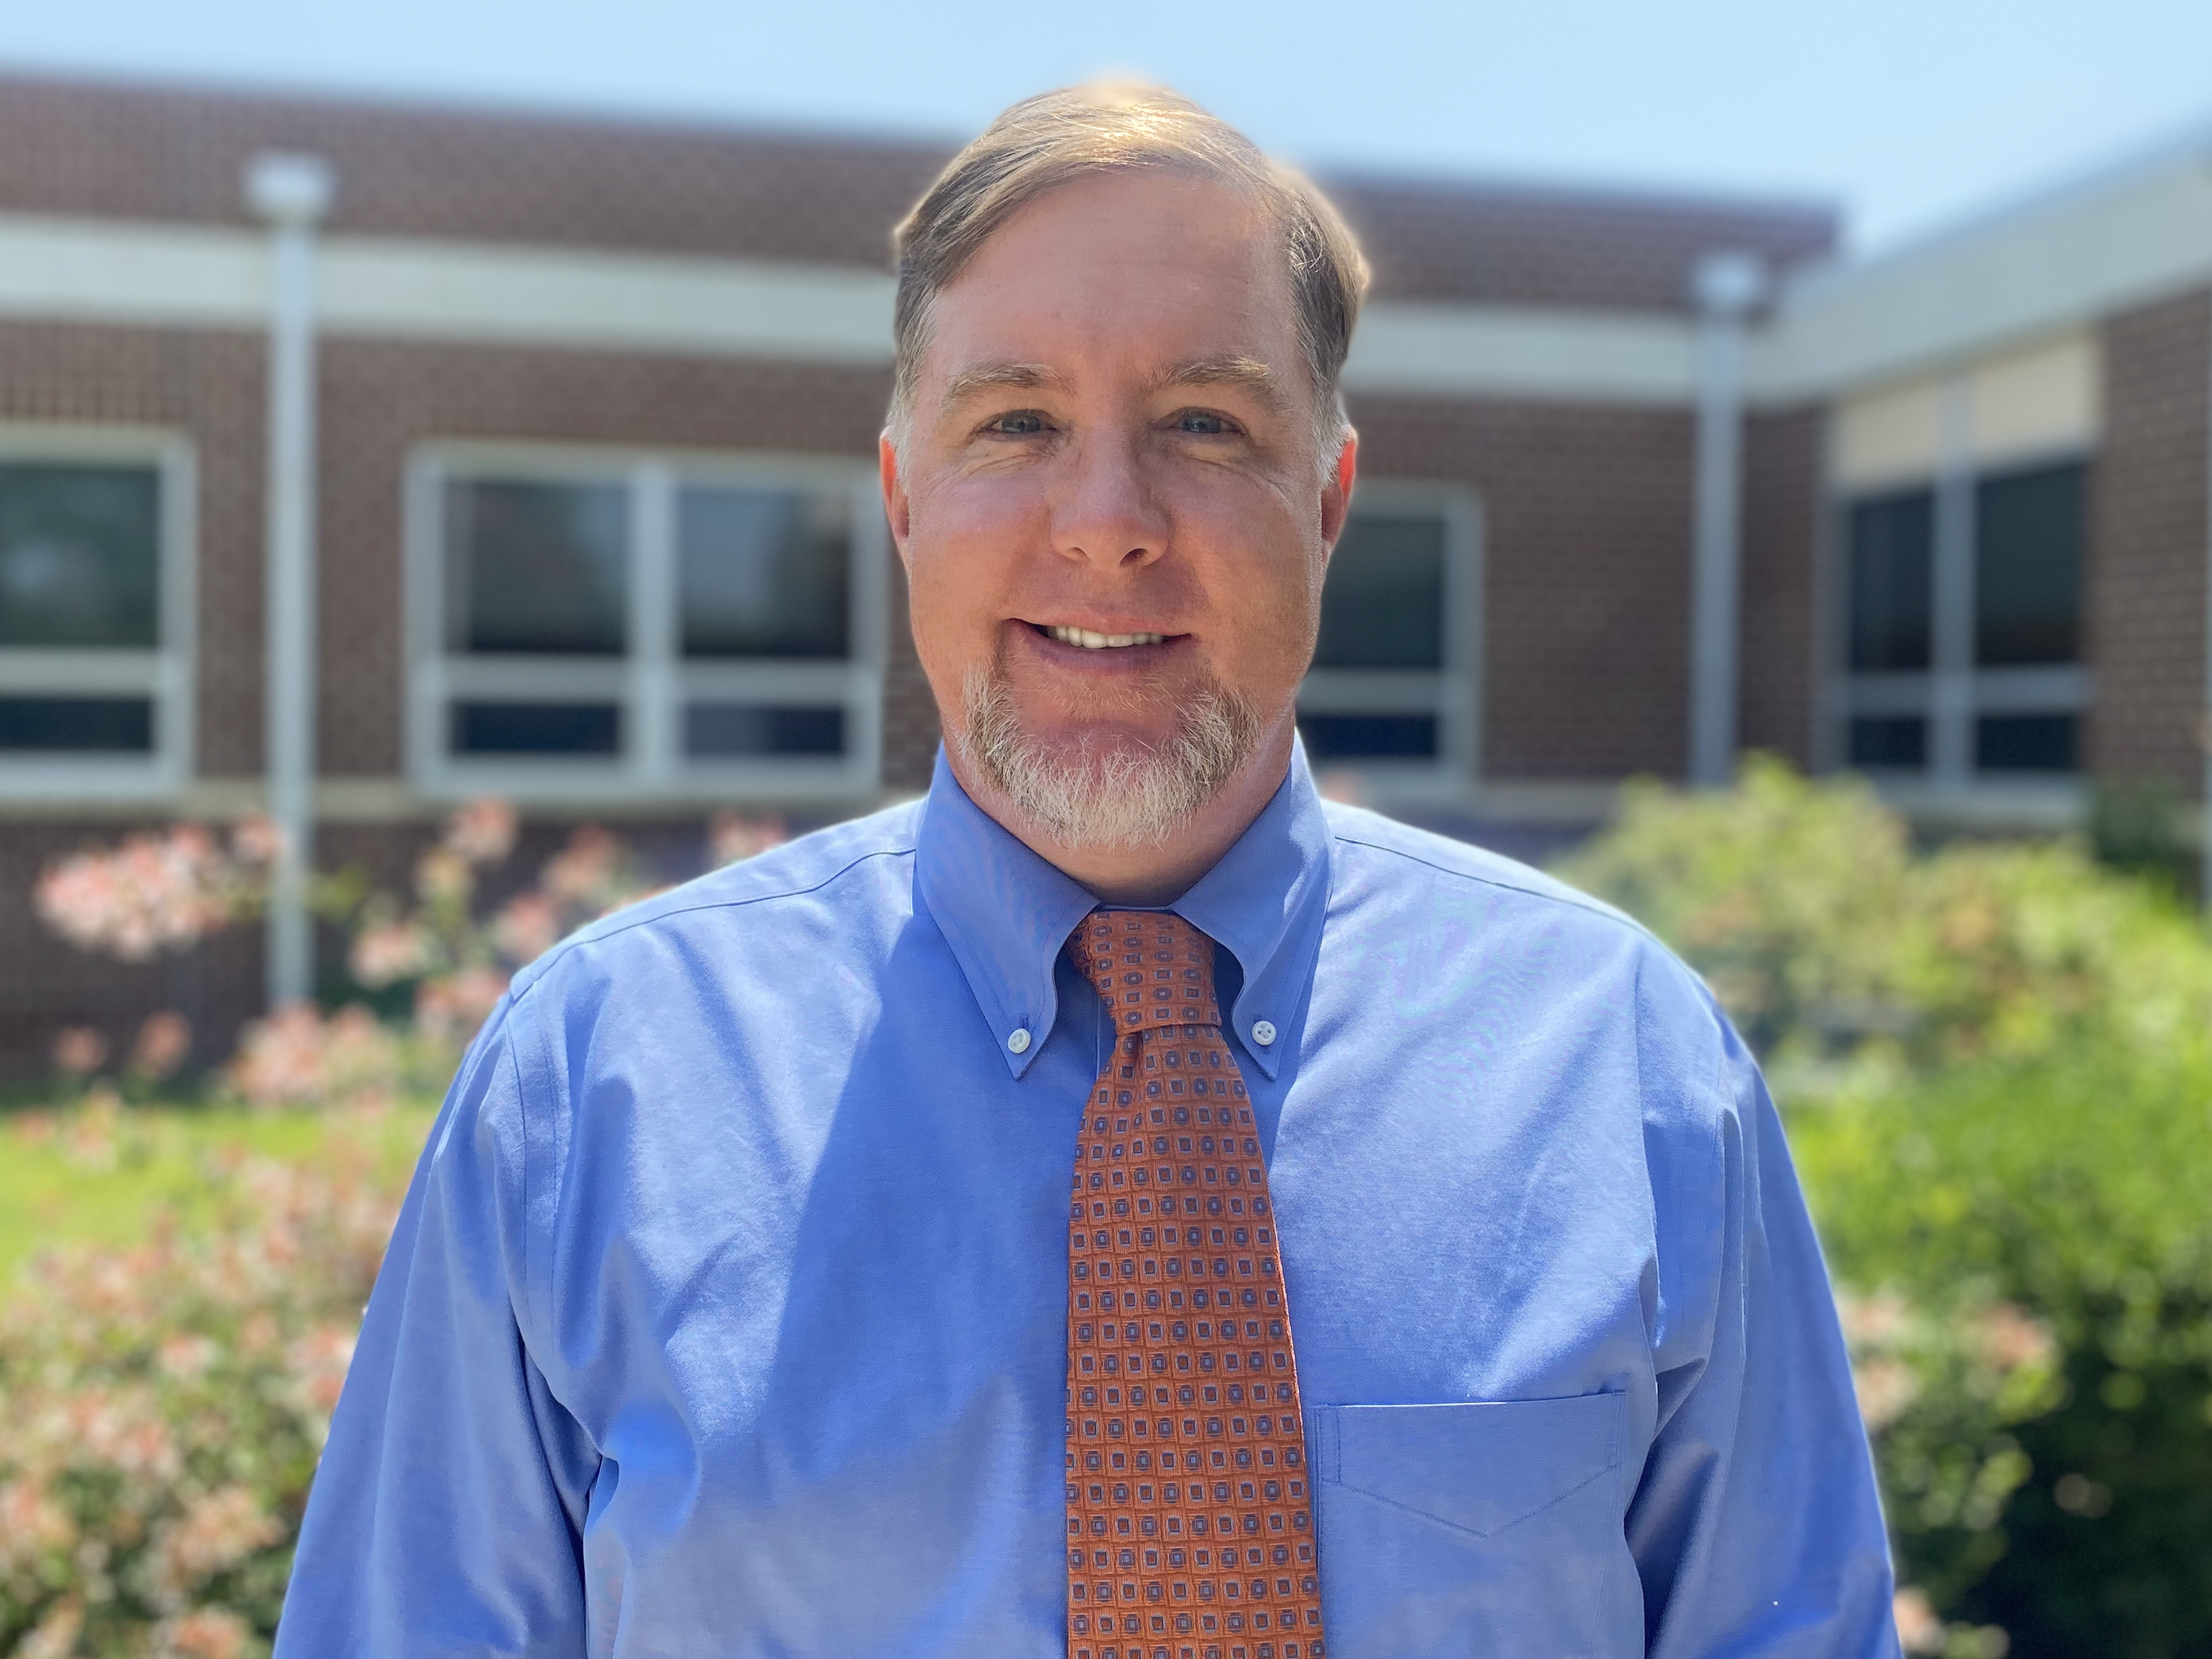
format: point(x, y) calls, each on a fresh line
point(95, 624)
point(1962, 638)
point(671, 625)
point(1392, 689)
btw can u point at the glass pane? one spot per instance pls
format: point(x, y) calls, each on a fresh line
point(1384, 604)
point(80, 558)
point(2023, 743)
point(536, 728)
point(2027, 566)
point(730, 730)
point(765, 572)
point(117, 726)
point(537, 566)
point(1891, 573)
point(1370, 737)
point(1887, 741)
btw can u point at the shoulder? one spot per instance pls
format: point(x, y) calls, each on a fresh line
point(1384, 851)
point(1406, 878)
point(855, 865)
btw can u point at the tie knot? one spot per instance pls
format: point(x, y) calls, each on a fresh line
point(1152, 967)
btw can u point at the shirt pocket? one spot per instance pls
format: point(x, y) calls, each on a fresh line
point(1489, 1527)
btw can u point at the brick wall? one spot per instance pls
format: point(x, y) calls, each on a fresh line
point(1586, 557)
point(2146, 560)
point(1782, 614)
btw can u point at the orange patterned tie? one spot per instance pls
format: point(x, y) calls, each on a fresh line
point(1189, 1534)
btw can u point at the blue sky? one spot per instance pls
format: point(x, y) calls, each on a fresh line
point(1908, 112)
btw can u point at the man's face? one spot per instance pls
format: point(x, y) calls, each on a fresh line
point(1111, 498)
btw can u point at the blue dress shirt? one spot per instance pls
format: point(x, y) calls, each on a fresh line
point(727, 1313)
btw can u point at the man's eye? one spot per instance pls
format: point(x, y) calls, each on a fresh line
point(1022, 423)
point(1200, 422)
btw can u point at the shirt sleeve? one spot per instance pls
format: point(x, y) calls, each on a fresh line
point(446, 1515)
point(1756, 1528)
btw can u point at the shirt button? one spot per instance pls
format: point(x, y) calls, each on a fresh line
point(1263, 1031)
point(1019, 1042)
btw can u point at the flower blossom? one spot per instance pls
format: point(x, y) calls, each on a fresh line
point(482, 832)
point(163, 1043)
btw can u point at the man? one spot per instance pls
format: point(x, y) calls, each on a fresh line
point(869, 1249)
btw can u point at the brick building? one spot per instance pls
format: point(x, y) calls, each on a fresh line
point(594, 525)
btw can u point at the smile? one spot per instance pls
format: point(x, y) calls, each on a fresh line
point(1090, 641)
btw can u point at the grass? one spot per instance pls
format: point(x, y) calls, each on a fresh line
point(100, 1175)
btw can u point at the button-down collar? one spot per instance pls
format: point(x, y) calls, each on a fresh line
point(1007, 913)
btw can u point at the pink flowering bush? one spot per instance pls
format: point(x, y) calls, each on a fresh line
point(156, 892)
point(299, 1056)
point(167, 890)
point(165, 1407)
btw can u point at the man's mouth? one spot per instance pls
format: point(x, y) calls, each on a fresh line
point(1090, 641)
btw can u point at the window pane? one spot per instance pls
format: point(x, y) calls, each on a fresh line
point(1384, 606)
point(1370, 737)
point(765, 572)
point(1889, 740)
point(730, 730)
point(2023, 743)
point(80, 560)
point(536, 728)
point(1892, 571)
point(2027, 566)
point(537, 566)
point(114, 726)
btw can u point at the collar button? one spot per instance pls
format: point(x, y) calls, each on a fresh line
point(1018, 1041)
point(1263, 1032)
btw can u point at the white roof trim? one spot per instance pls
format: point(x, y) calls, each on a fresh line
point(2123, 238)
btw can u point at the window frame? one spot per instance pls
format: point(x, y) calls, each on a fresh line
point(1453, 691)
point(165, 673)
point(1952, 693)
point(651, 680)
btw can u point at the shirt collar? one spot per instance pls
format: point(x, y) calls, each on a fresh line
point(1007, 913)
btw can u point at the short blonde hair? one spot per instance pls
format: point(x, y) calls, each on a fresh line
point(1057, 138)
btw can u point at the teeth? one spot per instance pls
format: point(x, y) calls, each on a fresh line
point(1090, 641)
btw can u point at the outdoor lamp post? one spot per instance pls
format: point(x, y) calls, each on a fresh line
point(1726, 286)
point(291, 193)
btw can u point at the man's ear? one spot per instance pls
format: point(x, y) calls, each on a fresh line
point(1336, 492)
point(897, 508)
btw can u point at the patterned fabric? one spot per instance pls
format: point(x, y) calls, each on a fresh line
point(1189, 1528)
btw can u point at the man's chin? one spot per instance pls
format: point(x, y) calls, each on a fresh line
point(1106, 783)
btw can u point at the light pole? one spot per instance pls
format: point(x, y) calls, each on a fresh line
point(291, 193)
point(1726, 286)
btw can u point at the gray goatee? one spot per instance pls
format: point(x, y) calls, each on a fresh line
point(1081, 796)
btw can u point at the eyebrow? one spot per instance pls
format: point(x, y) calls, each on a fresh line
point(998, 377)
point(1247, 373)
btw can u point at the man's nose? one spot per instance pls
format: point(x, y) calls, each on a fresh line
point(1109, 516)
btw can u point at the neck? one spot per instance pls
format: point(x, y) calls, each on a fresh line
point(1157, 874)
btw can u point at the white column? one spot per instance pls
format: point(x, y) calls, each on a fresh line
point(291, 193)
point(1727, 285)
point(1951, 646)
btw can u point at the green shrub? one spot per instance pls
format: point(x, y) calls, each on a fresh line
point(1995, 1061)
